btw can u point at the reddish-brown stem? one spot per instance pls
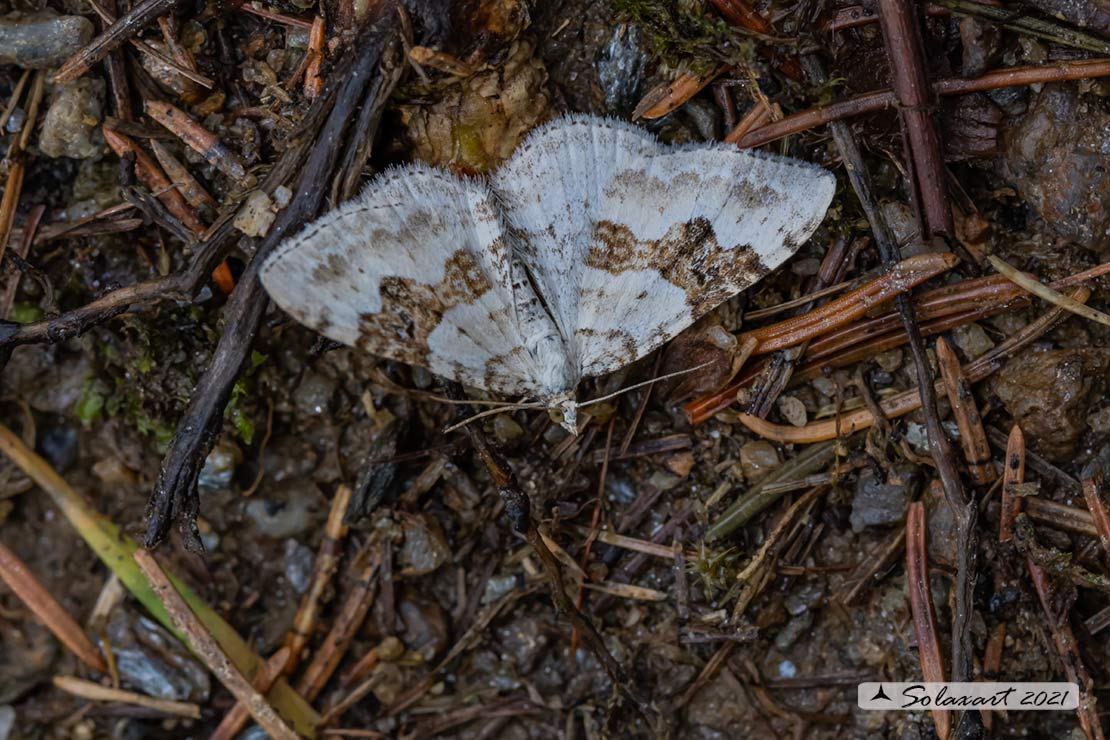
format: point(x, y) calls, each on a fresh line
point(906, 52)
point(921, 605)
point(973, 439)
point(883, 99)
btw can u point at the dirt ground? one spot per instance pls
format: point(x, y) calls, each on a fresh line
point(468, 641)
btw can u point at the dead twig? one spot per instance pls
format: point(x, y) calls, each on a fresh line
point(95, 692)
point(327, 560)
point(977, 450)
point(906, 52)
point(234, 720)
point(907, 401)
point(174, 497)
point(209, 651)
point(197, 137)
point(115, 35)
point(884, 99)
point(347, 623)
point(921, 604)
point(29, 590)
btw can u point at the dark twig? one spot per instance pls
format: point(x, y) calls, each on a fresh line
point(906, 52)
point(938, 443)
point(175, 498)
point(115, 35)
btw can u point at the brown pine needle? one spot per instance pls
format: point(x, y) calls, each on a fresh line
point(1041, 290)
point(921, 604)
point(907, 401)
point(95, 692)
point(46, 608)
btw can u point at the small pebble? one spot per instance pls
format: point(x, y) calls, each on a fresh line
point(758, 459)
point(313, 395)
point(219, 466)
point(793, 410)
point(42, 40)
point(298, 565)
point(72, 120)
point(425, 548)
point(286, 509)
point(7, 721)
point(972, 340)
point(794, 629)
point(890, 360)
point(877, 504)
point(804, 597)
point(498, 586)
point(506, 429)
point(256, 215)
point(680, 463)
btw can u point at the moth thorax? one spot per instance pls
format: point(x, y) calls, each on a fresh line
point(563, 410)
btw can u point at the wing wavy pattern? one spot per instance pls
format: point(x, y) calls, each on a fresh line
point(416, 269)
point(630, 241)
point(627, 242)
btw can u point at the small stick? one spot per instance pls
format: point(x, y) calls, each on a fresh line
point(1097, 507)
point(125, 28)
point(53, 616)
point(95, 692)
point(1013, 472)
point(1068, 647)
point(1059, 516)
point(193, 192)
point(973, 439)
point(1041, 290)
point(347, 623)
point(898, 279)
point(9, 202)
point(906, 52)
point(13, 101)
point(197, 137)
point(669, 96)
point(270, 672)
point(30, 227)
point(288, 20)
point(921, 604)
point(884, 99)
point(907, 401)
point(188, 72)
point(327, 559)
point(209, 651)
point(1062, 634)
point(757, 116)
point(313, 81)
point(153, 177)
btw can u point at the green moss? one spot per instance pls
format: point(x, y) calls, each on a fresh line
point(92, 401)
point(686, 34)
point(25, 313)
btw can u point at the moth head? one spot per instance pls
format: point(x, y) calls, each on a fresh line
point(563, 410)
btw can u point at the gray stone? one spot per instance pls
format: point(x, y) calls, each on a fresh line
point(42, 40)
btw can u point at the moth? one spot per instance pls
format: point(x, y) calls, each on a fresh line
point(590, 247)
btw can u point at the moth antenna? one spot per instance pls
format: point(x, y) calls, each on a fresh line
point(491, 412)
point(622, 391)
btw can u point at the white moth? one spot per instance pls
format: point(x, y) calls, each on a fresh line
point(593, 245)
